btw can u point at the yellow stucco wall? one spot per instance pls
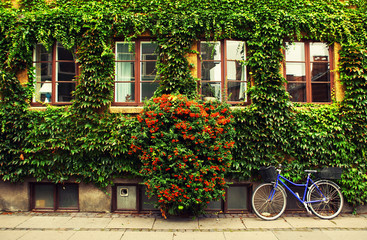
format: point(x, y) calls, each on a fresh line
point(339, 88)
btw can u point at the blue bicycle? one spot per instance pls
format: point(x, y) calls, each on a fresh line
point(323, 197)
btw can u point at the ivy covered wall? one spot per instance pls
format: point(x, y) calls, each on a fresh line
point(86, 141)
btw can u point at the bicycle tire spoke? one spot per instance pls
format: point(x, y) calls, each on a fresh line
point(327, 200)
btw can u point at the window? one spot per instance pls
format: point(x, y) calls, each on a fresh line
point(48, 196)
point(132, 197)
point(307, 70)
point(237, 199)
point(135, 72)
point(55, 71)
point(222, 70)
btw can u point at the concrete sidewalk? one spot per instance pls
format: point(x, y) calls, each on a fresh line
point(89, 226)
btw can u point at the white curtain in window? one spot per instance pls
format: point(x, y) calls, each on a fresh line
point(124, 71)
point(124, 89)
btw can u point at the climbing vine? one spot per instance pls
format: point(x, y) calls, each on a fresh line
point(86, 141)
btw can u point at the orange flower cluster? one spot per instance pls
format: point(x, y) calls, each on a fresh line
point(184, 149)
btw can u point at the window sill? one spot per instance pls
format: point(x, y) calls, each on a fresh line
point(38, 108)
point(131, 110)
point(126, 110)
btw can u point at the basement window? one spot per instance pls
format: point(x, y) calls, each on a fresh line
point(52, 197)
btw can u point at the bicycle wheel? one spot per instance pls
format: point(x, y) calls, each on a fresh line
point(333, 202)
point(264, 207)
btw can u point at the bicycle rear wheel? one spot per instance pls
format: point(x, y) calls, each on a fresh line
point(328, 207)
point(266, 208)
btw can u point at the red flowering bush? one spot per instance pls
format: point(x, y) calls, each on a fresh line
point(185, 150)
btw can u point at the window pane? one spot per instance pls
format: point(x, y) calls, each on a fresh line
point(125, 71)
point(320, 72)
point(210, 50)
point(65, 71)
point(148, 203)
point(319, 52)
point(68, 196)
point(209, 89)
point(235, 71)
point(124, 92)
point(211, 71)
point(321, 92)
point(125, 51)
point(235, 50)
point(64, 91)
point(296, 72)
point(297, 92)
point(41, 54)
point(237, 91)
point(126, 197)
point(44, 195)
point(148, 89)
point(43, 92)
point(237, 198)
point(148, 71)
point(295, 52)
point(215, 205)
point(148, 51)
point(43, 71)
point(63, 54)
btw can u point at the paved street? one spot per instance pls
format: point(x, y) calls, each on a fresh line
point(90, 226)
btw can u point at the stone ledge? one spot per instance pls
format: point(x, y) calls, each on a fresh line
point(132, 110)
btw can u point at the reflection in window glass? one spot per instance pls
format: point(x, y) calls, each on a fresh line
point(148, 71)
point(320, 72)
point(295, 52)
point(235, 50)
point(210, 89)
point(125, 51)
point(296, 72)
point(41, 54)
point(297, 92)
point(237, 91)
point(319, 51)
point(235, 71)
point(148, 89)
point(148, 51)
point(210, 51)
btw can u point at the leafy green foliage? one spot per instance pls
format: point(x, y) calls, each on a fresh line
point(87, 142)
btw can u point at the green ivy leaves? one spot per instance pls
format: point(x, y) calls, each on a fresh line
point(89, 143)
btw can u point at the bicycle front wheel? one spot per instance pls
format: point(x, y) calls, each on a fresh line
point(266, 207)
point(325, 199)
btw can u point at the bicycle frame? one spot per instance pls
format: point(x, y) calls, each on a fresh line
point(309, 182)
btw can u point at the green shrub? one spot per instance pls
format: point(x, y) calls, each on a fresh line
point(185, 149)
